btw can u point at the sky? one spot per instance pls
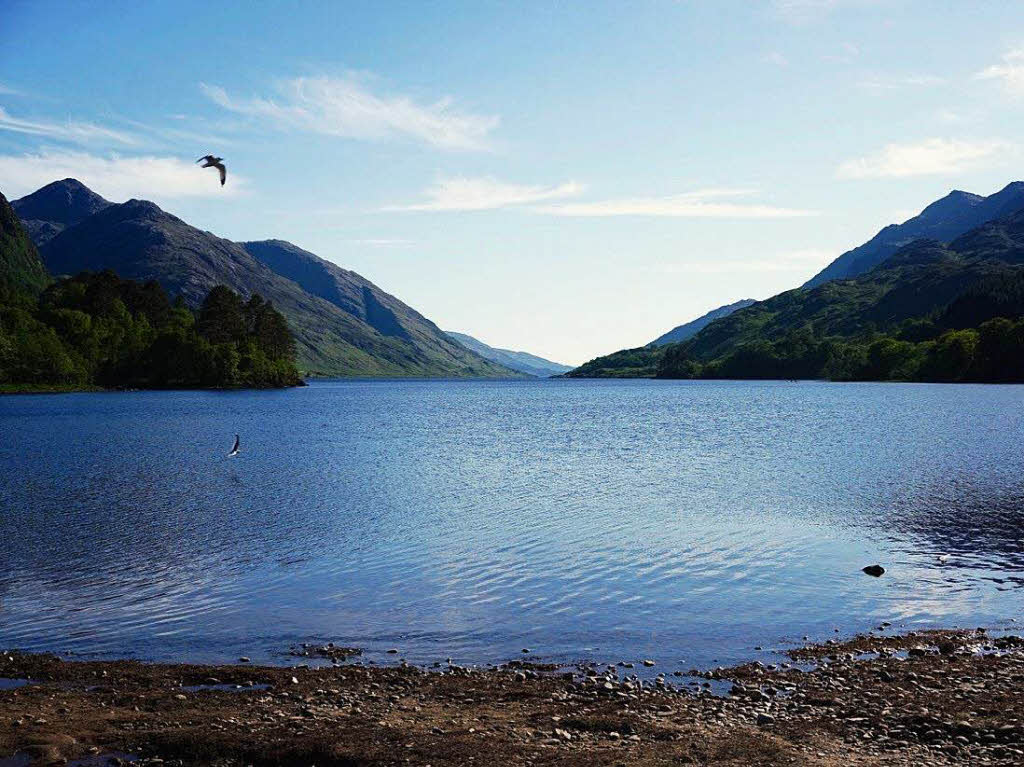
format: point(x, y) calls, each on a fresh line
point(567, 178)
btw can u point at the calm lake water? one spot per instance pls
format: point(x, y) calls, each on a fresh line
point(604, 520)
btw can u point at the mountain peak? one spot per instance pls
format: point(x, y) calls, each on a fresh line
point(943, 220)
point(141, 207)
point(953, 203)
point(63, 202)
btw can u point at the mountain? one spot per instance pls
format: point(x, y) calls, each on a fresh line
point(139, 241)
point(524, 362)
point(403, 326)
point(943, 220)
point(911, 317)
point(908, 306)
point(691, 328)
point(21, 270)
point(48, 211)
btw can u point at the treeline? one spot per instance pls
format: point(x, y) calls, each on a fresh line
point(101, 330)
point(990, 353)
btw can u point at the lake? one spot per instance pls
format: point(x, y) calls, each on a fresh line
point(685, 521)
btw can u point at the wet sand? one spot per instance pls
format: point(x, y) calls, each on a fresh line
point(949, 697)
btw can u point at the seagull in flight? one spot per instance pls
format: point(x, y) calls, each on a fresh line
point(234, 450)
point(215, 162)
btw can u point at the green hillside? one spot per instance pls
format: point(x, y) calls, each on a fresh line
point(21, 269)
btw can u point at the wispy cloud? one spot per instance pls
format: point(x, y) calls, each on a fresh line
point(808, 11)
point(704, 203)
point(1010, 72)
point(345, 107)
point(928, 157)
point(7, 90)
point(115, 177)
point(77, 132)
point(894, 82)
point(461, 193)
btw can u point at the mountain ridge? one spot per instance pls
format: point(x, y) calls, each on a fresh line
point(140, 241)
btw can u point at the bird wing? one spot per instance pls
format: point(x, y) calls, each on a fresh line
point(207, 158)
point(237, 443)
point(223, 172)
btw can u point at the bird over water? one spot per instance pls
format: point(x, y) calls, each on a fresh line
point(209, 161)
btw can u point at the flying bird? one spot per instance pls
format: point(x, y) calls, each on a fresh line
point(215, 162)
point(234, 450)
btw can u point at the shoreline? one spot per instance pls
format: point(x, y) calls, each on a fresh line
point(927, 697)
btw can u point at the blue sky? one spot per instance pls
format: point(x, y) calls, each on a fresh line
point(568, 179)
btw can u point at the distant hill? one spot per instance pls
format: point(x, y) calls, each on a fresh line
point(691, 328)
point(139, 241)
point(48, 211)
point(21, 269)
point(641, 362)
point(943, 220)
point(524, 362)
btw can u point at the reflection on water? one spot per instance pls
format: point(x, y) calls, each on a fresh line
point(688, 521)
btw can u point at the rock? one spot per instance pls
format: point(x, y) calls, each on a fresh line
point(648, 663)
point(765, 719)
point(243, 659)
point(875, 570)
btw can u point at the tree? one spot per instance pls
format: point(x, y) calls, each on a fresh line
point(221, 317)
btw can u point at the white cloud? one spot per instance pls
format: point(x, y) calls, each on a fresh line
point(345, 107)
point(114, 177)
point(705, 203)
point(78, 132)
point(928, 157)
point(893, 82)
point(7, 90)
point(1010, 72)
point(487, 193)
